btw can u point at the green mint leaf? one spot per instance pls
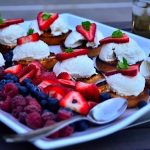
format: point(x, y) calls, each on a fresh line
point(30, 31)
point(46, 16)
point(123, 64)
point(1, 20)
point(117, 34)
point(69, 50)
point(86, 25)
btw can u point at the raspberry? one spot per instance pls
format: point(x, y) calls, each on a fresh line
point(2, 96)
point(17, 111)
point(32, 108)
point(64, 113)
point(48, 123)
point(6, 105)
point(67, 131)
point(10, 89)
point(22, 116)
point(48, 116)
point(18, 100)
point(34, 120)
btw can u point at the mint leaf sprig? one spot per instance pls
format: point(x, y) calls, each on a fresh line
point(69, 50)
point(30, 31)
point(86, 25)
point(46, 16)
point(117, 34)
point(123, 64)
point(1, 20)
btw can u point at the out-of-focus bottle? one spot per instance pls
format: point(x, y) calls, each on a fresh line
point(141, 17)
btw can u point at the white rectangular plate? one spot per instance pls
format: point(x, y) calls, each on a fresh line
point(129, 116)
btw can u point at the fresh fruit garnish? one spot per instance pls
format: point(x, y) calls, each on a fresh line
point(55, 92)
point(130, 71)
point(75, 101)
point(87, 29)
point(46, 19)
point(64, 75)
point(89, 91)
point(123, 39)
point(123, 64)
point(29, 38)
point(46, 83)
point(62, 56)
point(67, 83)
point(91, 104)
point(30, 31)
point(117, 34)
point(8, 22)
point(69, 50)
point(14, 69)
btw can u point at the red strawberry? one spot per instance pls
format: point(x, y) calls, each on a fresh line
point(89, 34)
point(46, 83)
point(75, 101)
point(64, 75)
point(46, 19)
point(67, 83)
point(55, 92)
point(92, 104)
point(131, 71)
point(89, 91)
point(9, 22)
point(67, 55)
point(29, 38)
point(14, 69)
point(124, 39)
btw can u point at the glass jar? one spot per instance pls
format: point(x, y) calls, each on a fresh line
point(141, 17)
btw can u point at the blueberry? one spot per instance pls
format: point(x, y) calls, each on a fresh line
point(44, 103)
point(26, 81)
point(142, 104)
point(105, 96)
point(3, 82)
point(23, 90)
point(53, 105)
point(81, 125)
point(40, 95)
point(11, 77)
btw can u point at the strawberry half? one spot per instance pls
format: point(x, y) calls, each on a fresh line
point(46, 19)
point(64, 75)
point(75, 101)
point(88, 30)
point(55, 92)
point(123, 39)
point(65, 55)
point(131, 71)
point(14, 69)
point(92, 104)
point(9, 22)
point(89, 91)
point(67, 83)
point(29, 38)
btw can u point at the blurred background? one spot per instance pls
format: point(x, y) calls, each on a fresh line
point(105, 11)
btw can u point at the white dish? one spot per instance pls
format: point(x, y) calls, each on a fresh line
point(129, 117)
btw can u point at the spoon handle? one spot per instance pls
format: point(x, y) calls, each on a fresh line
point(43, 132)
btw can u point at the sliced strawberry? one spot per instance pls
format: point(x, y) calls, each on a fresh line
point(92, 104)
point(124, 39)
point(131, 71)
point(29, 38)
point(9, 22)
point(46, 19)
point(75, 101)
point(46, 83)
point(67, 83)
point(55, 92)
point(76, 52)
point(64, 75)
point(28, 75)
point(14, 69)
point(89, 91)
point(88, 34)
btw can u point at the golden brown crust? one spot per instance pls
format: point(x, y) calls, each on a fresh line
point(5, 48)
point(49, 39)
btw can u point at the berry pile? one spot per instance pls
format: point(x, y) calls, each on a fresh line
point(37, 98)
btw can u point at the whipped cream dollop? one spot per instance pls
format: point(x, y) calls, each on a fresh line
point(10, 34)
point(126, 85)
point(58, 27)
point(76, 39)
point(130, 51)
point(78, 67)
point(2, 60)
point(31, 50)
point(145, 68)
